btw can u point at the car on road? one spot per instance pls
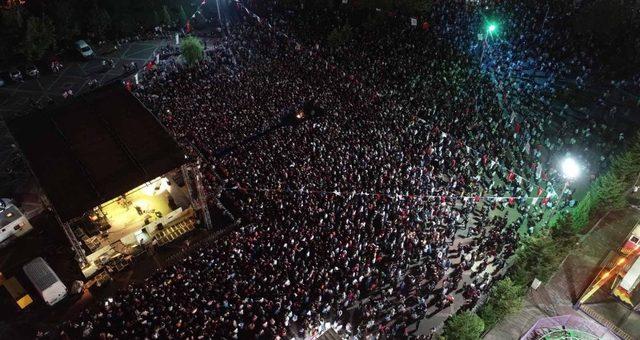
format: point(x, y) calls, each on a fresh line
point(15, 75)
point(32, 71)
point(84, 49)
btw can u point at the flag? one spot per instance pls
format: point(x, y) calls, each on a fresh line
point(476, 198)
point(512, 200)
point(540, 190)
point(188, 26)
point(511, 176)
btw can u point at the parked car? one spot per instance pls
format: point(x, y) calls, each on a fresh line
point(1, 82)
point(15, 75)
point(32, 71)
point(84, 49)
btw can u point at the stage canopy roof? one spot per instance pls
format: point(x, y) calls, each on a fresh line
point(94, 148)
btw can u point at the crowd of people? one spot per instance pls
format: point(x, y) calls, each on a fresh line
point(408, 189)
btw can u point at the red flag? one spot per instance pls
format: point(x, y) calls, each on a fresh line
point(517, 128)
point(512, 200)
point(540, 190)
point(511, 176)
point(188, 27)
point(476, 198)
point(545, 200)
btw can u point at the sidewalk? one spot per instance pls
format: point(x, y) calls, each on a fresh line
point(557, 296)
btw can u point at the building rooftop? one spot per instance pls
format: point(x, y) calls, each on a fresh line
point(94, 148)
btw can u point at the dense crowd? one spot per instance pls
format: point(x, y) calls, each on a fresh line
point(409, 190)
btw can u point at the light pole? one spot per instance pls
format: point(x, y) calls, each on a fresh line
point(570, 170)
point(491, 29)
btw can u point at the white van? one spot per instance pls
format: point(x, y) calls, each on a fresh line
point(84, 49)
point(45, 280)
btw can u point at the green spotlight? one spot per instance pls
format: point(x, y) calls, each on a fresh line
point(492, 28)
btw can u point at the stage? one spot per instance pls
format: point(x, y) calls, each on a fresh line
point(129, 223)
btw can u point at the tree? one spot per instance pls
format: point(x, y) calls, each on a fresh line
point(65, 19)
point(99, 21)
point(11, 19)
point(121, 11)
point(192, 50)
point(538, 257)
point(581, 214)
point(182, 16)
point(609, 192)
point(11, 31)
point(505, 298)
point(463, 326)
point(627, 165)
point(38, 38)
point(165, 17)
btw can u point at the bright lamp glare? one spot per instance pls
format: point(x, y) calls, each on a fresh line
point(492, 28)
point(570, 168)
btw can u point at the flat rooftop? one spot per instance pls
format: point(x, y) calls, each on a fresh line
point(94, 148)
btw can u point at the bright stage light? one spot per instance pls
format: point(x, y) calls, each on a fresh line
point(155, 187)
point(492, 28)
point(570, 168)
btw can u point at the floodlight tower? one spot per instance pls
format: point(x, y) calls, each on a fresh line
point(490, 30)
point(570, 170)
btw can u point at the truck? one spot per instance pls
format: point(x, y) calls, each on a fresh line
point(45, 281)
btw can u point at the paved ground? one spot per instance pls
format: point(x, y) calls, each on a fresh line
point(558, 295)
point(21, 98)
point(14, 98)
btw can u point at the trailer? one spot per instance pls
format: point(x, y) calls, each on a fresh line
point(45, 281)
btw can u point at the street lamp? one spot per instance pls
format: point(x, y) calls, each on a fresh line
point(491, 28)
point(570, 168)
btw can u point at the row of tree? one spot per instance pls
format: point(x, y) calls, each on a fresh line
point(540, 255)
point(30, 30)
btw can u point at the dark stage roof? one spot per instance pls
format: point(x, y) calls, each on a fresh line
point(94, 148)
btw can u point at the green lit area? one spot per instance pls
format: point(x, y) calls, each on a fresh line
point(491, 27)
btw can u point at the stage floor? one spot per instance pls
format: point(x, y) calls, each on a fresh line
point(141, 206)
